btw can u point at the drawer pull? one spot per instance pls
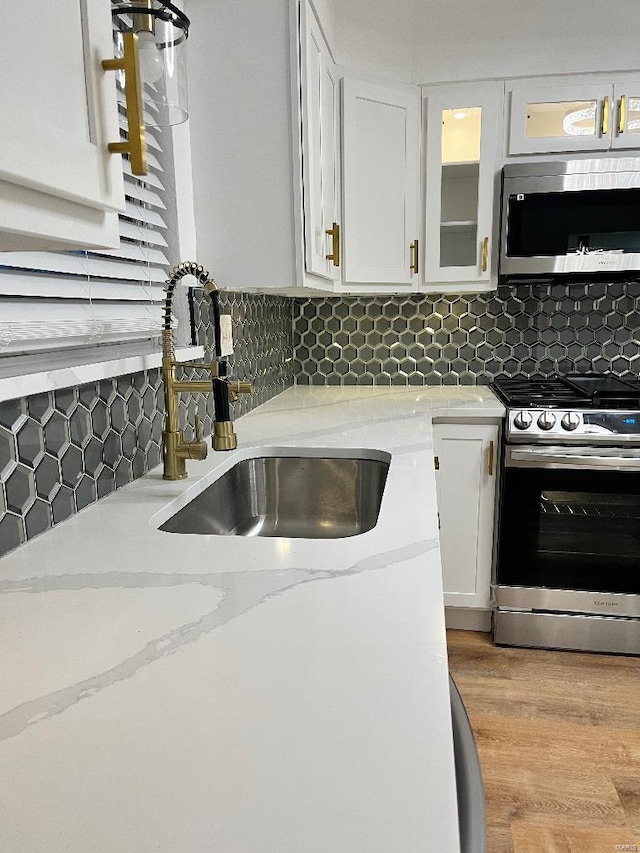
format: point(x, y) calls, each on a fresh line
point(490, 464)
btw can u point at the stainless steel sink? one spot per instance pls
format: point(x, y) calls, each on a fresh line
point(303, 496)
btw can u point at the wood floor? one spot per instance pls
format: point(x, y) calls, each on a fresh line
point(558, 735)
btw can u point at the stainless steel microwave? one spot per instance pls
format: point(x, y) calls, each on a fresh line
point(571, 217)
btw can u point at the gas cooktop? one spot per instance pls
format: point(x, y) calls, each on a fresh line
point(575, 390)
point(597, 408)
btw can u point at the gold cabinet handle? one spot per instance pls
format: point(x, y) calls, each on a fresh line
point(334, 233)
point(436, 463)
point(414, 257)
point(622, 113)
point(135, 146)
point(605, 115)
point(490, 463)
point(485, 254)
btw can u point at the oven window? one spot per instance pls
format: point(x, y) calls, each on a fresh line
point(549, 224)
point(567, 529)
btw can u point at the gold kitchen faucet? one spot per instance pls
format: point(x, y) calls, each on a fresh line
point(176, 450)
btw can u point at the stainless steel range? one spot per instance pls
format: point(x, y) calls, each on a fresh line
point(568, 555)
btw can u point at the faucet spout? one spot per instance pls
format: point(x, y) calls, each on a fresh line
point(175, 449)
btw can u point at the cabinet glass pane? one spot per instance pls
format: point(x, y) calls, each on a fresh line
point(561, 119)
point(461, 132)
point(632, 117)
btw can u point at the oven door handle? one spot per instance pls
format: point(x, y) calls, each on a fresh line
point(594, 459)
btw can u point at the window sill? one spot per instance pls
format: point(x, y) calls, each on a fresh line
point(67, 377)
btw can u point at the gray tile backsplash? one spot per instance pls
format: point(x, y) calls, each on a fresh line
point(529, 329)
point(63, 450)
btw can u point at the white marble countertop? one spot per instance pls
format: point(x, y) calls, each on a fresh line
point(244, 695)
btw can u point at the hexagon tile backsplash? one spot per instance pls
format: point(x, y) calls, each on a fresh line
point(530, 329)
point(61, 451)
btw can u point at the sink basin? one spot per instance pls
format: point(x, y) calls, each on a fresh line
point(295, 496)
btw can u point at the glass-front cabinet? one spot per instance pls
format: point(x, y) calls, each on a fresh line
point(462, 127)
point(586, 115)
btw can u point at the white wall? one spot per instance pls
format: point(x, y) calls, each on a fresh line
point(326, 14)
point(428, 41)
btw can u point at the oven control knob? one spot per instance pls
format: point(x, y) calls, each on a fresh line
point(546, 420)
point(522, 420)
point(570, 421)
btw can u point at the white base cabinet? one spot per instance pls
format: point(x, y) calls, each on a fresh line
point(466, 465)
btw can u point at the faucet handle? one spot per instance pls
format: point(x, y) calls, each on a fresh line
point(239, 387)
point(198, 429)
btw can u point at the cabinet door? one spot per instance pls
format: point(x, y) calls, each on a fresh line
point(626, 117)
point(560, 118)
point(461, 156)
point(35, 221)
point(466, 490)
point(320, 150)
point(59, 106)
point(380, 179)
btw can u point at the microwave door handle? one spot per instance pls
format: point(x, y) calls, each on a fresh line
point(558, 457)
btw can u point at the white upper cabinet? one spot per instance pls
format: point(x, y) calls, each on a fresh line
point(583, 115)
point(381, 135)
point(60, 186)
point(264, 111)
point(268, 179)
point(320, 102)
point(461, 164)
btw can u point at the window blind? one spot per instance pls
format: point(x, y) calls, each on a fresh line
point(68, 300)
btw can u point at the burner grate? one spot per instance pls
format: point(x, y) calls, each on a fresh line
point(554, 391)
point(588, 390)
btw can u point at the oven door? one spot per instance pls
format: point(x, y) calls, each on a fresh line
point(570, 521)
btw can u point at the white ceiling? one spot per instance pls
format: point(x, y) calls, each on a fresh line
point(439, 40)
